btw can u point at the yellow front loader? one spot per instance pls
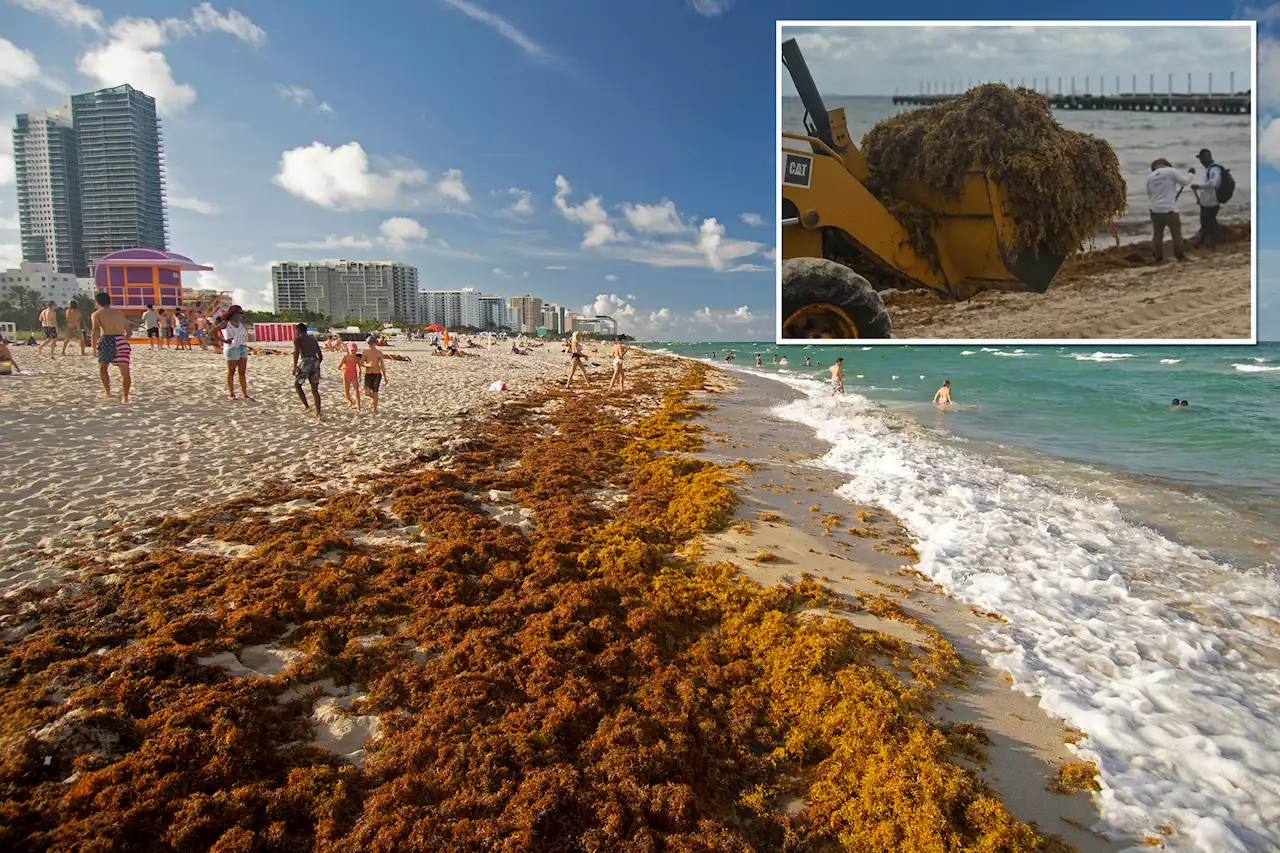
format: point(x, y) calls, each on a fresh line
point(840, 244)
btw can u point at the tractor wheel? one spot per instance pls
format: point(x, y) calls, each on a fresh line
point(824, 299)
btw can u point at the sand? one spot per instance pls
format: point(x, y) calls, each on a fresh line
point(1209, 298)
point(76, 465)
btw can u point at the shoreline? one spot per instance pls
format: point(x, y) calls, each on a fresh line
point(195, 585)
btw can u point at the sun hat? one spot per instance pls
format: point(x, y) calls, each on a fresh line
point(353, 345)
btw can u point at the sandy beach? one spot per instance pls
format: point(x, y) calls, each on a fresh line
point(1114, 293)
point(76, 464)
point(465, 617)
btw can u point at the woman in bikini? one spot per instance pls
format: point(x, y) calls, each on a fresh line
point(577, 360)
point(619, 371)
point(943, 395)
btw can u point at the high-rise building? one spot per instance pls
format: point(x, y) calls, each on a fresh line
point(121, 160)
point(553, 318)
point(46, 166)
point(450, 308)
point(348, 290)
point(526, 313)
point(493, 312)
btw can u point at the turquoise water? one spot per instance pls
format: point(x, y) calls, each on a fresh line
point(1097, 420)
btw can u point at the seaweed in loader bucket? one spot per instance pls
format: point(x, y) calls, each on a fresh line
point(982, 192)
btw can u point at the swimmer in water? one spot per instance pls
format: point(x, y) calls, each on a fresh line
point(837, 377)
point(806, 361)
point(1176, 403)
point(782, 360)
point(943, 395)
point(1184, 404)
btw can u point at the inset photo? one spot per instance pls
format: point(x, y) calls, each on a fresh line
point(1017, 182)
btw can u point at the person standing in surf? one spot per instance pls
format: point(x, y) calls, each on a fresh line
point(837, 377)
point(942, 396)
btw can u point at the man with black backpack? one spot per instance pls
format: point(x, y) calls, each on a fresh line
point(1217, 189)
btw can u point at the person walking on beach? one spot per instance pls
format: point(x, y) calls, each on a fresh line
point(234, 335)
point(75, 327)
point(49, 323)
point(1211, 233)
point(110, 328)
point(202, 330)
point(620, 351)
point(166, 330)
point(307, 356)
point(577, 360)
point(151, 322)
point(837, 377)
point(1162, 197)
point(182, 329)
point(942, 396)
point(375, 371)
point(349, 366)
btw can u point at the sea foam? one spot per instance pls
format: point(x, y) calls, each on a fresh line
point(1159, 654)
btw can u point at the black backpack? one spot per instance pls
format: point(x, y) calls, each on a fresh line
point(1226, 185)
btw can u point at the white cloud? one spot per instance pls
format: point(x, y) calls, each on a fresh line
point(400, 231)
point(451, 186)
point(505, 29)
point(498, 271)
point(710, 236)
point(9, 223)
point(302, 96)
point(17, 66)
point(660, 218)
point(195, 205)
point(710, 8)
point(609, 305)
point(611, 277)
point(7, 169)
point(1268, 143)
point(10, 256)
point(523, 205)
point(331, 242)
point(557, 268)
point(341, 178)
point(246, 297)
point(132, 52)
point(590, 213)
point(631, 297)
point(67, 12)
point(755, 220)
point(208, 19)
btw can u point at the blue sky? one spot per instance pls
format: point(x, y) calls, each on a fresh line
point(619, 155)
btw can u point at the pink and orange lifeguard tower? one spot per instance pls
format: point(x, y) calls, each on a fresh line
point(136, 278)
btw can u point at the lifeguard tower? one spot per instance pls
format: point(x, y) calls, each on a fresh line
point(136, 278)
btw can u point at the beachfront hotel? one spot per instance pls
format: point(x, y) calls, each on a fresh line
point(450, 308)
point(348, 290)
point(601, 325)
point(493, 311)
point(46, 280)
point(90, 179)
point(526, 313)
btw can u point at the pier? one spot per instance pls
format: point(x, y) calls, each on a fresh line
point(1240, 104)
point(1230, 102)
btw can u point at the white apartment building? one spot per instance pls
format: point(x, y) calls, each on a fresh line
point(450, 308)
point(348, 290)
point(47, 171)
point(47, 281)
point(600, 325)
point(493, 312)
point(553, 318)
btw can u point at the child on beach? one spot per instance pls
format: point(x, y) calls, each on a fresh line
point(349, 366)
point(110, 329)
point(943, 395)
point(837, 377)
point(306, 366)
point(375, 371)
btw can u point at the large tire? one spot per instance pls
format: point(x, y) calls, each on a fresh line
point(824, 299)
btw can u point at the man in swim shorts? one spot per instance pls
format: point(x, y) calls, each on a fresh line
point(837, 377)
point(75, 328)
point(49, 323)
point(375, 369)
point(307, 356)
point(110, 329)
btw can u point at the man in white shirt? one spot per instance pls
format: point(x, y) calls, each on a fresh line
point(1207, 194)
point(1162, 193)
point(151, 322)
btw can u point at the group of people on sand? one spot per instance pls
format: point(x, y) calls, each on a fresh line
point(578, 362)
point(1163, 189)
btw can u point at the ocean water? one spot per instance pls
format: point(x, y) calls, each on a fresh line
point(1133, 548)
point(1138, 138)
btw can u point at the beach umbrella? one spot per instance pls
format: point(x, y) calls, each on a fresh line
point(435, 328)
